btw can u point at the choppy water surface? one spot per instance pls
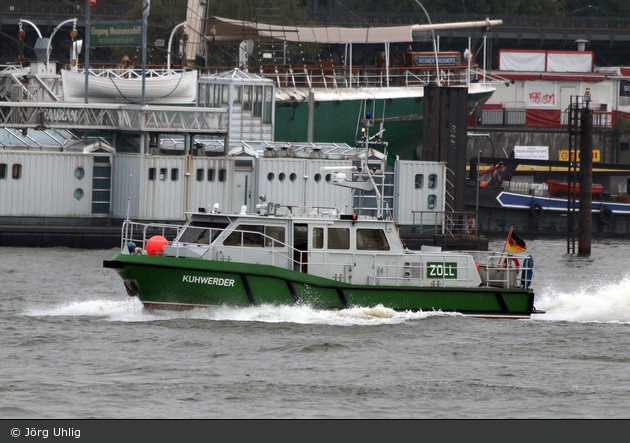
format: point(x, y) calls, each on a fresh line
point(74, 345)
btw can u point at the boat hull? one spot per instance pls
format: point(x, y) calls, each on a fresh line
point(179, 283)
point(336, 117)
point(541, 215)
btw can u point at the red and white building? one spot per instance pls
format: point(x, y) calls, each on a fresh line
point(539, 85)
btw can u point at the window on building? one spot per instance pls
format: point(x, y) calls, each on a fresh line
point(202, 95)
point(222, 175)
point(238, 94)
point(152, 173)
point(210, 175)
point(218, 89)
point(247, 97)
point(17, 171)
point(432, 181)
point(257, 105)
point(3, 171)
point(225, 94)
point(174, 174)
point(419, 181)
point(268, 105)
point(163, 172)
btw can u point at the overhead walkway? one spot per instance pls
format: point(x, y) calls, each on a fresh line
point(111, 117)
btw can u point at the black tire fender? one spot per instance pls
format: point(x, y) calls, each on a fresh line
point(605, 215)
point(536, 210)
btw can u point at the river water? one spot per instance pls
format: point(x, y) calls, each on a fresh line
point(74, 345)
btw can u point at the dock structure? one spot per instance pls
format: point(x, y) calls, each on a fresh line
point(113, 117)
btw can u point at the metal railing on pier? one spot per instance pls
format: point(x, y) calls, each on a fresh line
point(522, 118)
point(447, 222)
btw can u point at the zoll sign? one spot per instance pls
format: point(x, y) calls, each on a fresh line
point(563, 155)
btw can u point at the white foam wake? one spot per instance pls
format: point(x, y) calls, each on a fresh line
point(606, 302)
point(131, 310)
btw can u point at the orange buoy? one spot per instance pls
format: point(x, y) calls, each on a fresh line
point(155, 245)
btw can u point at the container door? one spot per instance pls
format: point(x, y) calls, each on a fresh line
point(241, 191)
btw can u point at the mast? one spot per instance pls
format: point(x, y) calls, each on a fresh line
point(369, 184)
point(146, 6)
point(87, 46)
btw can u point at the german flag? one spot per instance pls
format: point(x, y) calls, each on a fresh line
point(515, 244)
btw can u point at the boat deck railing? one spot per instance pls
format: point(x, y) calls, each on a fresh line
point(346, 77)
point(504, 269)
point(387, 269)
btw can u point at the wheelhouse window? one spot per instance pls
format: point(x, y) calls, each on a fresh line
point(222, 175)
point(174, 174)
point(202, 232)
point(152, 173)
point(318, 238)
point(256, 236)
point(338, 238)
point(371, 240)
point(3, 171)
point(210, 175)
point(163, 173)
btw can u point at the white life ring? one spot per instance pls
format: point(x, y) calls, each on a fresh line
point(471, 225)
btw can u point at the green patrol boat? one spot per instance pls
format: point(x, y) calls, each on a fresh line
point(285, 255)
